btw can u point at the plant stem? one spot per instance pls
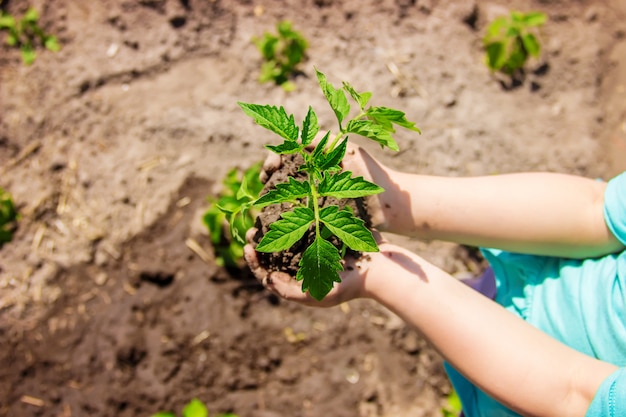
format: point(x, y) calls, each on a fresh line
point(342, 132)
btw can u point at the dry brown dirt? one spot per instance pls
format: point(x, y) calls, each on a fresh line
point(111, 303)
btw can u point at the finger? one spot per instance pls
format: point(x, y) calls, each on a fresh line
point(271, 164)
point(251, 258)
point(250, 234)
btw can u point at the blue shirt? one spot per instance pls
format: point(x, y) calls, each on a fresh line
point(582, 303)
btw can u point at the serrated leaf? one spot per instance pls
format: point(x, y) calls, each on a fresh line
point(373, 131)
point(272, 118)
point(310, 127)
point(342, 185)
point(319, 148)
point(335, 97)
point(349, 228)
point(331, 160)
point(287, 231)
point(319, 268)
point(386, 117)
point(361, 98)
point(195, 408)
point(284, 192)
point(285, 148)
point(245, 192)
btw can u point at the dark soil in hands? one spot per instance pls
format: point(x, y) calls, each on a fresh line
point(288, 260)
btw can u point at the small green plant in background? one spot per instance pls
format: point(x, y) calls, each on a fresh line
point(320, 262)
point(282, 52)
point(453, 405)
point(194, 408)
point(8, 217)
point(511, 40)
point(238, 189)
point(25, 33)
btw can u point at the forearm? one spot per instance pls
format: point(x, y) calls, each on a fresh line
point(538, 213)
point(506, 357)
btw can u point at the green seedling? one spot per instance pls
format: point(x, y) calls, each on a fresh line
point(25, 33)
point(453, 405)
point(282, 52)
point(194, 408)
point(320, 262)
point(238, 189)
point(511, 40)
point(8, 217)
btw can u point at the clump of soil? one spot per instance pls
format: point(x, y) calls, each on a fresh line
point(288, 260)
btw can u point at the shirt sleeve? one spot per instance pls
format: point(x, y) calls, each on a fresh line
point(615, 206)
point(610, 399)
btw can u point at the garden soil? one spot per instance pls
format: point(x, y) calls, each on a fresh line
point(111, 302)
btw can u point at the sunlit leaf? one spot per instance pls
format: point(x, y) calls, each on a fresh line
point(287, 231)
point(335, 97)
point(319, 268)
point(272, 118)
point(285, 192)
point(342, 185)
point(349, 228)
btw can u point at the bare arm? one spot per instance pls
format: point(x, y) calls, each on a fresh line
point(509, 359)
point(538, 213)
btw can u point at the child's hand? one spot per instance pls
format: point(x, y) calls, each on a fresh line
point(362, 164)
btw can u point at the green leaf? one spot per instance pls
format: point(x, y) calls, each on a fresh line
point(496, 56)
point(284, 192)
point(164, 414)
point(349, 228)
point(272, 118)
point(496, 29)
point(331, 160)
point(310, 127)
point(361, 98)
point(31, 16)
point(374, 131)
point(531, 44)
point(52, 44)
point(534, 18)
point(266, 45)
point(245, 192)
point(7, 21)
point(386, 117)
point(320, 147)
point(336, 98)
point(319, 268)
point(287, 231)
point(285, 148)
point(213, 219)
point(195, 408)
point(342, 185)
point(28, 54)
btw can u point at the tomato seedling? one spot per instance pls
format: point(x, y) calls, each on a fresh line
point(194, 408)
point(238, 189)
point(321, 261)
point(282, 53)
point(24, 33)
point(511, 40)
point(8, 217)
